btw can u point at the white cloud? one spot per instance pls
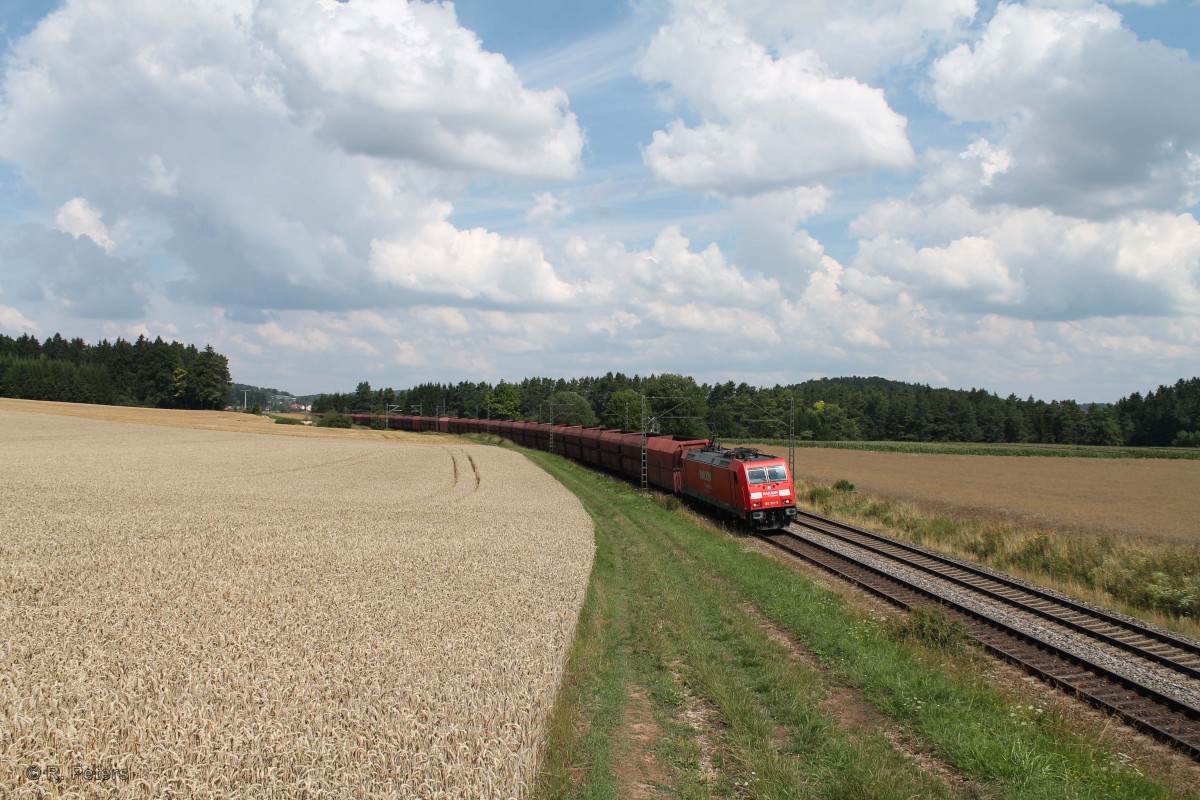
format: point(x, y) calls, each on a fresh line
point(767, 121)
point(151, 330)
point(309, 338)
point(13, 320)
point(469, 264)
point(71, 273)
point(548, 207)
point(865, 38)
point(404, 80)
point(158, 179)
point(269, 144)
point(786, 207)
point(78, 218)
point(278, 178)
point(1192, 180)
point(1089, 120)
point(1034, 264)
point(769, 234)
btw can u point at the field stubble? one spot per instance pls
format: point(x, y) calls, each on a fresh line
point(232, 615)
point(1152, 499)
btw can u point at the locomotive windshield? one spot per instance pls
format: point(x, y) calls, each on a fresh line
point(776, 473)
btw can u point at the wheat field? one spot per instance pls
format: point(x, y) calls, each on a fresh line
point(199, 613)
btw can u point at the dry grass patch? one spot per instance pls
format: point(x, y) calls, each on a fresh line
point(232, 615)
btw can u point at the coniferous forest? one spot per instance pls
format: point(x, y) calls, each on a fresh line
point(149, 373)
point(829, 409)
point(173, 375)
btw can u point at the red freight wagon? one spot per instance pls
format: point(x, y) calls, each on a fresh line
point(664, 460)
point(610, 449)
point(589, 443)
point(523, 434)
point(562, 439)
point(541, 433)
point(571, 446)
point(631, 454)
point(752, 486)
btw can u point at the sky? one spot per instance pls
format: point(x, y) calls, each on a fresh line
point(947, 192)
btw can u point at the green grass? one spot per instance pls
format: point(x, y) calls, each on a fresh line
point(674, 613)
point(984, 449)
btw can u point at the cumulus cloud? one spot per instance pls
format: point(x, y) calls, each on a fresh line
point(78, 218)
point(865, 38)
point(423, 86)
point(269, 144)
point(770, 238)
point(280, 179)
point(469, 264)
point(1035, 264)
point(13, 321)
point(766, 121)
point(71, 275)
point(1089, 120)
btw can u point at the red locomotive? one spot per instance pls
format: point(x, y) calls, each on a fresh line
point(752, 487)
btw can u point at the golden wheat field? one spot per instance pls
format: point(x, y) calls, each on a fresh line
point(200, 613)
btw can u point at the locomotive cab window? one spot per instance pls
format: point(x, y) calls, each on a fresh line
point(777, 473)
point(756, 475)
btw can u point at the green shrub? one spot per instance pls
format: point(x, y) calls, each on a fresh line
point(335, 419)
point(1167, 581)
point(1187, 439)
point(843, 486)
point(819, 495)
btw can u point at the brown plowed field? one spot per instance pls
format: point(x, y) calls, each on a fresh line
point(1157, 499)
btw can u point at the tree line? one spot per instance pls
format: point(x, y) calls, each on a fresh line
point(142, 373)
point(829, 409)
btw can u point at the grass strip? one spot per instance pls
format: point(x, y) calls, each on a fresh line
point(665, 611)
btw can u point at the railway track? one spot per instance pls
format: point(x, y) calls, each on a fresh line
point(1149, 678)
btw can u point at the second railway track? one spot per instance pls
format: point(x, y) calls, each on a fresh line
point(1148, 677)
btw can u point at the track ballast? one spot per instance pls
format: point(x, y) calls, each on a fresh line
point(1148, 677)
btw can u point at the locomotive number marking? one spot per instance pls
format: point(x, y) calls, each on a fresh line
point(705, 475)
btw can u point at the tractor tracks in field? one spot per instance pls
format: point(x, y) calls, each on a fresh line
point(466, 478)
point(1148, 677)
